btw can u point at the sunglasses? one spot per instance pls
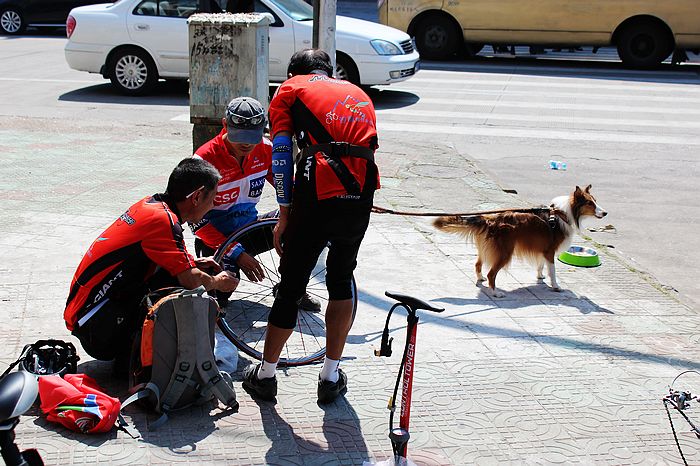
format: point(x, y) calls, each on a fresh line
point(239, 120)
point(192, 193)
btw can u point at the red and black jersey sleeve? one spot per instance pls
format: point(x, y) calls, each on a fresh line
point(121, 259)
point(165, 245)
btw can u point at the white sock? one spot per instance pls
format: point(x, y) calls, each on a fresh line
point(330, 370)
point(267, 370)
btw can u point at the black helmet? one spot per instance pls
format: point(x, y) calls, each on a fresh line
point(49, 357)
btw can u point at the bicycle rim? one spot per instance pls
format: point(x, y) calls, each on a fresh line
point(245, 319)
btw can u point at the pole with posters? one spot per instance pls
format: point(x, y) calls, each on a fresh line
point(228, 58)
point(324, 27)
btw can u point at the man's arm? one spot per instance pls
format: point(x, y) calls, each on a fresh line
point(283, 173)
point(193, 278)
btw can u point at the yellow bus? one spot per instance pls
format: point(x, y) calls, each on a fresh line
point(645, 32)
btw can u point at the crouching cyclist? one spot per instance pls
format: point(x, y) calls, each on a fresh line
point(243, 157)
point(141, 251)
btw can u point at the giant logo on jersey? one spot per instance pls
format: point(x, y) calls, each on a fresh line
point(256, 186)
point(227, 197)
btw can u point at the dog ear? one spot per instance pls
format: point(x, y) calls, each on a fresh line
point(577, 190)
point(588, 188)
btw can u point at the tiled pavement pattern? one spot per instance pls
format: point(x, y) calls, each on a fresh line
point(537, 377)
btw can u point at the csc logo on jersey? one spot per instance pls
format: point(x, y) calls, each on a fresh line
point(227, 197)
point(256, 186)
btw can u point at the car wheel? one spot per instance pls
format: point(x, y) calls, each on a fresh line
point(345, 69)
point(438, 38)
point(644, 45)
point(132, 71)
point(11, 22)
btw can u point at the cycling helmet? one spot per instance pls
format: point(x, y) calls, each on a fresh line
point(49, 357)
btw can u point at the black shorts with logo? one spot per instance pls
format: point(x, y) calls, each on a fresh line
point(341, 224)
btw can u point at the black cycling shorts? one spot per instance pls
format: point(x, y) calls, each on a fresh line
point(341, 224)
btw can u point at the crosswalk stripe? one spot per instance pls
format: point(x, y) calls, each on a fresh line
point(461, 79)
point(533, 133)
point(497, 104)
point(545, 92)
point(547, 71)
point(452, 116)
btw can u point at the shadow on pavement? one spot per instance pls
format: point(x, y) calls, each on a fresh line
point(171, 92)
point(584, 304)
point(341, 436)
point(383, 98)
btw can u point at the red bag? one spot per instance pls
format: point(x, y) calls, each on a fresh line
point(78, 403)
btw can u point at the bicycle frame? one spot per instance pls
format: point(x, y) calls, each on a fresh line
point(400, 436)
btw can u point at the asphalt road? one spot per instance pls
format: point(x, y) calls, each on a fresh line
point(633, 135)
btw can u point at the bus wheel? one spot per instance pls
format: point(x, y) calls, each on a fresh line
point(644, 45)
point(438, 37)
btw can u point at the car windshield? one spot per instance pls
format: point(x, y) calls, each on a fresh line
point(298, 10)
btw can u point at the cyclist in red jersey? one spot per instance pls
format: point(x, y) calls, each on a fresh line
point(329, 204)
point(142, 250)
point(243, 157)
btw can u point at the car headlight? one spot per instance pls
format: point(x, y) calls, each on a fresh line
point(383, 47)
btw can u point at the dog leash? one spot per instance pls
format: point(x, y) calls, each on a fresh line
point(382, 210)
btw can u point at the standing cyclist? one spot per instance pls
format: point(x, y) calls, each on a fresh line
point(334, 125)
point(243, 157)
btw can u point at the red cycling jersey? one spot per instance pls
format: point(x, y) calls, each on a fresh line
point(125, 255)
point(239, 189)
point(318, 110)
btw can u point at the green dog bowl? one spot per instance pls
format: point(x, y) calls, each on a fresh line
point(580, 256)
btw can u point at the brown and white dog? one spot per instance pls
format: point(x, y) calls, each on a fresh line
point(538, 236)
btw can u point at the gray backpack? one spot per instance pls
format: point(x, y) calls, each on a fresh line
point(172, 364)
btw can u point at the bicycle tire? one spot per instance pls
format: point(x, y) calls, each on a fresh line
point(250, 304)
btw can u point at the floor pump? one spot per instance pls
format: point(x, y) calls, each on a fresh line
point(400, 435)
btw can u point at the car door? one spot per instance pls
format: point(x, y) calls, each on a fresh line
point(160, 26)
point(282, 39)
point(46, 11)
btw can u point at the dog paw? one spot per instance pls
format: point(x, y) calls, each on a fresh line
point(541, 277)
point(556, 288)
point(480, 279)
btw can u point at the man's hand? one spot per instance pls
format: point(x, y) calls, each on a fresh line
point(250, 267)
point(278, 232)
point(225, 281)
point(208, 264)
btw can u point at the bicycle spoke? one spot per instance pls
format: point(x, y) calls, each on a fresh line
point(267, 291)
point(313, 334)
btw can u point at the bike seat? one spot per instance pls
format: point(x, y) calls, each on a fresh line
point(413, 303)
point(18, 390)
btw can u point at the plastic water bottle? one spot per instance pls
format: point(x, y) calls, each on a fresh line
point(557, 165)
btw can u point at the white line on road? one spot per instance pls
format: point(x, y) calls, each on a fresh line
point(535, 134)
point(630, 109)
point(544, 91)
point(495, 79)
point(445, 115)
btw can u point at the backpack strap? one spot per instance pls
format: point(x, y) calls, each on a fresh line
point(144, 391)
point(186, 355)
point(208, 371)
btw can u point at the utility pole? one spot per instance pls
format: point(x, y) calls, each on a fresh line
point(324, 27)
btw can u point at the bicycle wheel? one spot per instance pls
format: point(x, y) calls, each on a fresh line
point(245, 319)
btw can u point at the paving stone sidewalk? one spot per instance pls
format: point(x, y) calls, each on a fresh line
point(537, 377)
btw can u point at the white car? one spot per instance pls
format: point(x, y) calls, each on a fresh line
point(135, 42)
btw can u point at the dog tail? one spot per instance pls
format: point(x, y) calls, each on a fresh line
point(468, 226)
